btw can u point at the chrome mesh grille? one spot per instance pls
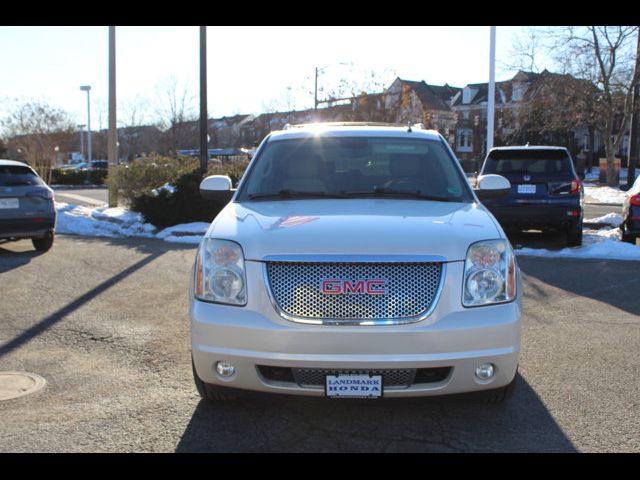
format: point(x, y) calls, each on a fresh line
point(312, 377)
point(411, 289)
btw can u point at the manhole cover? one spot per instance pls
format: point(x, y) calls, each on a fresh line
point(18, 384)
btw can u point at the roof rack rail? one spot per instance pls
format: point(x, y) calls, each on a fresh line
point(344, 124)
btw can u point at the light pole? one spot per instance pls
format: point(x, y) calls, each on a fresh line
point(112, 141)
point(315, 89)
point(491, 100)
point(87, 88)
point(81, 127)
point(203, 123)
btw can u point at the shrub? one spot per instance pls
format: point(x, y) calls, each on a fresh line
point(145, 174)
point(164, 209)
point(61, 176)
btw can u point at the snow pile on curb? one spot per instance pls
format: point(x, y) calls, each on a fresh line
point(120, 222)
point(606, 194)
point(613, 219)
point(185, 233)
point(598, 244)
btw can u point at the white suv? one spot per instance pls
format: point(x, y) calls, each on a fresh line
point(355, 261)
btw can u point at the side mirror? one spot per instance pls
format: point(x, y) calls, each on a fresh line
point(216, 187)
point(492, 186)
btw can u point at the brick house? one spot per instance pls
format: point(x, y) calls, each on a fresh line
point(410, 101)
point(513, 98)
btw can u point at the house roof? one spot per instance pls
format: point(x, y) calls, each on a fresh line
point(434, 97)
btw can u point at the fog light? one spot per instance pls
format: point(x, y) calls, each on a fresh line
point(225, 369)
point(485, 371)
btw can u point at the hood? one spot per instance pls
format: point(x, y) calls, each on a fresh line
point(354, 227)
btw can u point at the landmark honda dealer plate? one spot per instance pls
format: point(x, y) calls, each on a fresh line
point(9, 203)
point(353, 386)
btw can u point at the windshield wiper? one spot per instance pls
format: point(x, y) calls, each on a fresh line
point(381, 191)
point(294, 193)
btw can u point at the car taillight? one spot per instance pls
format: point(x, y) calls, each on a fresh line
point(575, 187)
point(634, 200)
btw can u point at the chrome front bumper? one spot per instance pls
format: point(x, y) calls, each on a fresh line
point(452, 336)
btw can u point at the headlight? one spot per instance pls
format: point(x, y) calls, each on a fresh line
point(489, 274)
point(220, 274)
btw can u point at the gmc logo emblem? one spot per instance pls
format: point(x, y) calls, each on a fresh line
point(356, 287)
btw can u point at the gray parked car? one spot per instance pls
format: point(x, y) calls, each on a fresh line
point(26, 206)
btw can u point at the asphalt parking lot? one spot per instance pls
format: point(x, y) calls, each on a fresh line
point(104, 321)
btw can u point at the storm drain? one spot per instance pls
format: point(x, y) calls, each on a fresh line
point(19, 384)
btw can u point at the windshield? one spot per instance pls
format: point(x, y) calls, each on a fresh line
point(355, 166)
point(15, 175)
point(549, 162)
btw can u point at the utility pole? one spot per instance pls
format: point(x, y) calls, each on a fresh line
point(204, 144)
point(315, 93)
point(112, 146)
point(634, 124)
point(491, 107)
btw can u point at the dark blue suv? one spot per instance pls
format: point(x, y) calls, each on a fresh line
point(546, 193)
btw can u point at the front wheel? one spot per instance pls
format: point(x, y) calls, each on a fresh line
point(43, 244)
point(499, 395)
point(213, 393)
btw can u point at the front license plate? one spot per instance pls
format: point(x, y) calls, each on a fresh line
point(353, 386)
point(9, 203)
point(526, 189)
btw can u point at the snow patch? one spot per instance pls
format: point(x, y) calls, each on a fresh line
point(166, 187)
point(610, 195)
point(600, 244)
point(120, 222)
point(613, 219)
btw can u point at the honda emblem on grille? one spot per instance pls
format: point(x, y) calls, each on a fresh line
point(361, 287)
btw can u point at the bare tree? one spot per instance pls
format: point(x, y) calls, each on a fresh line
point(605, 56)
point(177, 115)
point(526, 49)
point(136, 134)
point(353, 84)
point(37, 132)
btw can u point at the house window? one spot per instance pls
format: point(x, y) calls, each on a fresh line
point(465, 140)
point(468, 94)
point(518, 91)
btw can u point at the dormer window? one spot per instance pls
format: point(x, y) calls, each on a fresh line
point(468, 94)
point(518, 91)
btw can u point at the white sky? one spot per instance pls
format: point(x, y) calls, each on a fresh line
point(248, 67)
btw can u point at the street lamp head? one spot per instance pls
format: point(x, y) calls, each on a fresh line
point(85, 88)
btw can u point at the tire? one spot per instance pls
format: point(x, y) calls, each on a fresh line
point(574, 236)
point(499, 395)
point(213, 393)
point(43, 244)
point(628, 238)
